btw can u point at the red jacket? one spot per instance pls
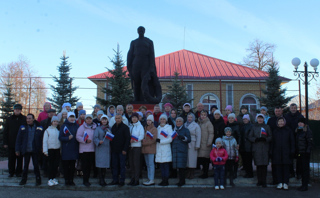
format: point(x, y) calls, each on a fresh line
point(221, 152)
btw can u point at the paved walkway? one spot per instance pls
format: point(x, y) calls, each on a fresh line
point(190, 183)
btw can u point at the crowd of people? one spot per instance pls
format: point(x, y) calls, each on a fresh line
point(176, 142)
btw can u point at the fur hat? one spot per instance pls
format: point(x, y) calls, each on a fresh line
point(150, 117)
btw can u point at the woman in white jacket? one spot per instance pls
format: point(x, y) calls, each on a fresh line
point(163, 152)
point(137, 134)
point(51, 148)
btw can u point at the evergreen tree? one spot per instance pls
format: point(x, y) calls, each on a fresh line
point(177, 94)
point(63, 91)
point(274, 95)
point(6, 110)
point(118, 91)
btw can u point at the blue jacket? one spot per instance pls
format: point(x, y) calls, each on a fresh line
point(69, 148)
point(22, 139)
point(180, 148)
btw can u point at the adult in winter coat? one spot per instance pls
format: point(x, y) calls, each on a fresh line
point(243, 111)
point(292, 117)
point(163, 149)
point(260, 135)
point(194, 145)
point(137, 135)
point(79, 107)
point(228, 110)
point(86, 146)
point(213, 108)
point(69, 147)
point(186, 110)
point(207, 136)
point(200, 108)
point(218, 125)
point(111, 111)
point(149, 148)
point(44, 114)
point(282, 152)
point(180, 150)
point(29, 144)
point(120, 111)
point(119, 149)
point(264, 111)
point(303, 150)
point(102, 148)
point(172, 118)
point(10, 133)
point(246, 146)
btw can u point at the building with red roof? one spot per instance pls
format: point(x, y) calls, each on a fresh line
point(208, 80)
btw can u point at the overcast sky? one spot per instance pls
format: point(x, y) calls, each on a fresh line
point(89, 30)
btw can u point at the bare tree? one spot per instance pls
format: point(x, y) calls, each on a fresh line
point(26, 87)
point(260, 55)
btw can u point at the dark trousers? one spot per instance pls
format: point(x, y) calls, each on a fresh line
point(247, 162)
point(53, 160)
point(230, 169)
point(205, 163)
point(26, 158)
point(303, 161)
point(12, 160)
point(118, 166)
point(68, 168)
point(134, 161)
point(164, 167)
point(219, 174)
point(182, 175)
point(283, 173)
point(86, 161)
point(262, 174)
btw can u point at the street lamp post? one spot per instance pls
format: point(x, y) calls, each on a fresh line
point(300, 74)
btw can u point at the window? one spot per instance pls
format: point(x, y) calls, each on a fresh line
point(208, 100)
point(251, 101)
point(108, 86)
point(229, 94)
point(189, 90)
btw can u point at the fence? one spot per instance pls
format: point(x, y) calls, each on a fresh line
point(315, 155)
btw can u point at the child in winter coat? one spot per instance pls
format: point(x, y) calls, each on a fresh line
point(230, 144)
point(219, 157)
point(51, 149)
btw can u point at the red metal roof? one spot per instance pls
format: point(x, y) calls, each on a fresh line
point(192, 65)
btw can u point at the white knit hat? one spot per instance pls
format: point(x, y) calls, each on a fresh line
point(163, 116)
point(71, 114)
point(150, 117)
point(232, 115)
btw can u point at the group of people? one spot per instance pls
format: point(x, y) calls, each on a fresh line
point(178, 142)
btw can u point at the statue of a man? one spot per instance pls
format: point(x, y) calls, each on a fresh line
point(142, 70)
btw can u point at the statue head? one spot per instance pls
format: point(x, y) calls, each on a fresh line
point(141, 31)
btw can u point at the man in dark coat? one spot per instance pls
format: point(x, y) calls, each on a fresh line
point(10, 133)
point(198, 112)
point(119, 149)
point(29, 144)
point(180, 150)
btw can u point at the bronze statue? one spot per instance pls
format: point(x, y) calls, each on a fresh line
point(142, 70)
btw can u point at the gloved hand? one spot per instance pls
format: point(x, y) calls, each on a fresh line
point(218, 159)
point(181, 137)
point(158, 140)
point(237, 159)
point(263, 139)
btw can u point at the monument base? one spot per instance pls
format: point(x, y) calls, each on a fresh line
point(136, 106)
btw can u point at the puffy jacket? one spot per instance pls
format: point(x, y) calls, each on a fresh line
point(137, 130)
point(195, 133)
point(245, 144)
point(303, 140)
point(84, 146)
point(43, 115)
point(180, 148)
point(206, 137)
point(69, 148)
point(235, 130)
point(230, 144)
point(260, 149)
point(51, 139)
point(163, 151)
point(22, 139)
point(219, 152)
point(149, 144)
point(11, 129)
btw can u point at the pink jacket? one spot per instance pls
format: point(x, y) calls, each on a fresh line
point(43, 115)
point(83, 146)
point(221, 152)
